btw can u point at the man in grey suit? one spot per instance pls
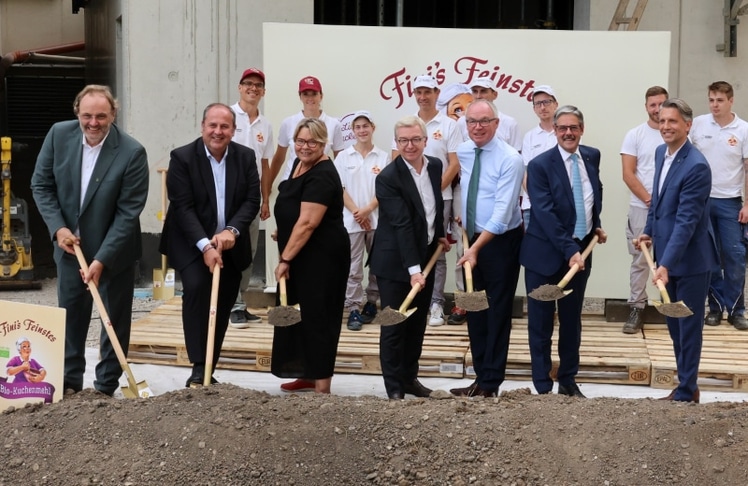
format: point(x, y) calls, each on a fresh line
point(90, 184)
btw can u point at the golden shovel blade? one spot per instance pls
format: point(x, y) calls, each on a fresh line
point(143, 391)
point(390, 317)
point(672, 309)
point(471, 301)
point(284, 316)
point(549, 292)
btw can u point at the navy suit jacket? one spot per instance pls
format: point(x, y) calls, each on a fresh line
point(678, 219)
point(192, 212)
point(401, 238)
point(549, 240)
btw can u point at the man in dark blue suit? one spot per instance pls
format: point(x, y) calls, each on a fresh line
point(678, 224)
point(409, 230)
point(566, 193)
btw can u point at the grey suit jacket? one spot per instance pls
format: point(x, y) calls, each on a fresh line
point(109, 217)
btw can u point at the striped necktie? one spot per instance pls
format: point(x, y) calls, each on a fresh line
point(580, 228)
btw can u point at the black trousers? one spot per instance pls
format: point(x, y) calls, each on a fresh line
point(400, 345)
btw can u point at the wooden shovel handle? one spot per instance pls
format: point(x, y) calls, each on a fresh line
point(466, 267)
point(575, 268)
point(283, 293)
point(417, 287)
point(212, 325)
point(105, 318)
point(653, 269)
point(163, 212)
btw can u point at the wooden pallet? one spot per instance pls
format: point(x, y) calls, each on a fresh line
point(606, 355)
point(724, 358)
point(158, 339)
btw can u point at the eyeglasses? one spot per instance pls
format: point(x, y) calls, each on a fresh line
point(100, 117)
point(565, 128)
point(403, 142)
point(481, 123)
point(300, 142)
point(538, 104)
point(250, 84)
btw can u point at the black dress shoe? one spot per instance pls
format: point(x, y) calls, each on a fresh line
point(739, 321)
point(416, 388)
point(570, 390)
point(197, 376)
point(713, 318)
point(395, 396)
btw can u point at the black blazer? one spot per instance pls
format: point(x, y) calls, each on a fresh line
point(401, 238)
point(192, 211)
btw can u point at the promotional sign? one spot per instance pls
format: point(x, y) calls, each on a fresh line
point(605, 74)
point(32, 354)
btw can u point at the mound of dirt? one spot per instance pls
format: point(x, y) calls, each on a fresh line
point(233, 436)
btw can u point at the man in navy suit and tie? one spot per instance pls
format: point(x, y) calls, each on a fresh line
point(91, 182)
point(410, 228)
point(566, 193)
point(679, 227)
point(214, 191)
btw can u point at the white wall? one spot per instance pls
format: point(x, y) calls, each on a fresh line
point(180, 55)
point(30, 24)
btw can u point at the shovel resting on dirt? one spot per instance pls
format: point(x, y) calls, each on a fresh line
point(389, 316)
point(212, 313)
point(470, 300)
point(163, 278)
point(666, 308)
point(549, 292)
point(133, 389)
point(283, 315)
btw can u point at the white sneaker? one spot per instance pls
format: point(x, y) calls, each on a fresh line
point(437, 315)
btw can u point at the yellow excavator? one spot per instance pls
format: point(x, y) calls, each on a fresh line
point(16, 267)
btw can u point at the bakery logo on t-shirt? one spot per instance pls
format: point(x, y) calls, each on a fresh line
point(376, 170)
point(437, 135)
point(732, 141)
point(260, 138)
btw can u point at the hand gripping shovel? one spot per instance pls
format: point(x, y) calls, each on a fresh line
point(666, 308)
point(133, 389)
point(549, 292)
point(212, 325)
point(470, 300)
point(389, 316)
point(283, 315)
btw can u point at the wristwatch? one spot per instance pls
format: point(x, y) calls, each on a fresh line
point(233, 230)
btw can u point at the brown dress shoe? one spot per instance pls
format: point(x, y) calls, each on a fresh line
point(473, 390)
point(694, 398)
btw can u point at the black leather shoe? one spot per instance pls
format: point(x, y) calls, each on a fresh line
point(416, 388)
point(713, 318)
point(739, 321)
point(570, 390)
point(196, 378)
point(395, 396)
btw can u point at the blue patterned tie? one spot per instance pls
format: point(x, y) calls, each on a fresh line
point(472, 195)
point(580, 229)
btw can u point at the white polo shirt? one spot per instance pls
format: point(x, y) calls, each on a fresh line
point(285, 137)
point(508, 130)
point(444, 138)
point(534, 143)
point(357, 174)
point(724, 149)
point(257, 135)
point(641, 142)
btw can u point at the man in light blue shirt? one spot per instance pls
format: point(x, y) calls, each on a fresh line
point(491, 172)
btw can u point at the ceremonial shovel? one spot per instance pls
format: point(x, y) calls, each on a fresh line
point(470, 300)
point(554, 292)
point(389, 316)
point(666, 308)
point(212, 313)
point(133, 389)
point(283, 315)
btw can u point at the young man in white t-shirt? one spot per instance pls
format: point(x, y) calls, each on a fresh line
point(358, 166)
point(253, 130)
point(723, 139)
point(638, 164)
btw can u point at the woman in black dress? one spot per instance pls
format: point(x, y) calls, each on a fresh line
point(314, 258)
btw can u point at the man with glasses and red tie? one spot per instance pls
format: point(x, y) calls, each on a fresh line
point(566, 193)
point(409, 229)
point(253, 130)
point(491, 171)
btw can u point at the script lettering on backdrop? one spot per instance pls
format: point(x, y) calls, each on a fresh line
point(26, 384)
point(396, 86)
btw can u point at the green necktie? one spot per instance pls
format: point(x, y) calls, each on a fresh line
point(472, 195)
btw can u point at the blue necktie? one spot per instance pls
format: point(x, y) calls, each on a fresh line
point(580, 228)
point(472, 195)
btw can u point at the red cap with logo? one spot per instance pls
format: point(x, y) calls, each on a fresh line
point(310, 83)
point(253, 72)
